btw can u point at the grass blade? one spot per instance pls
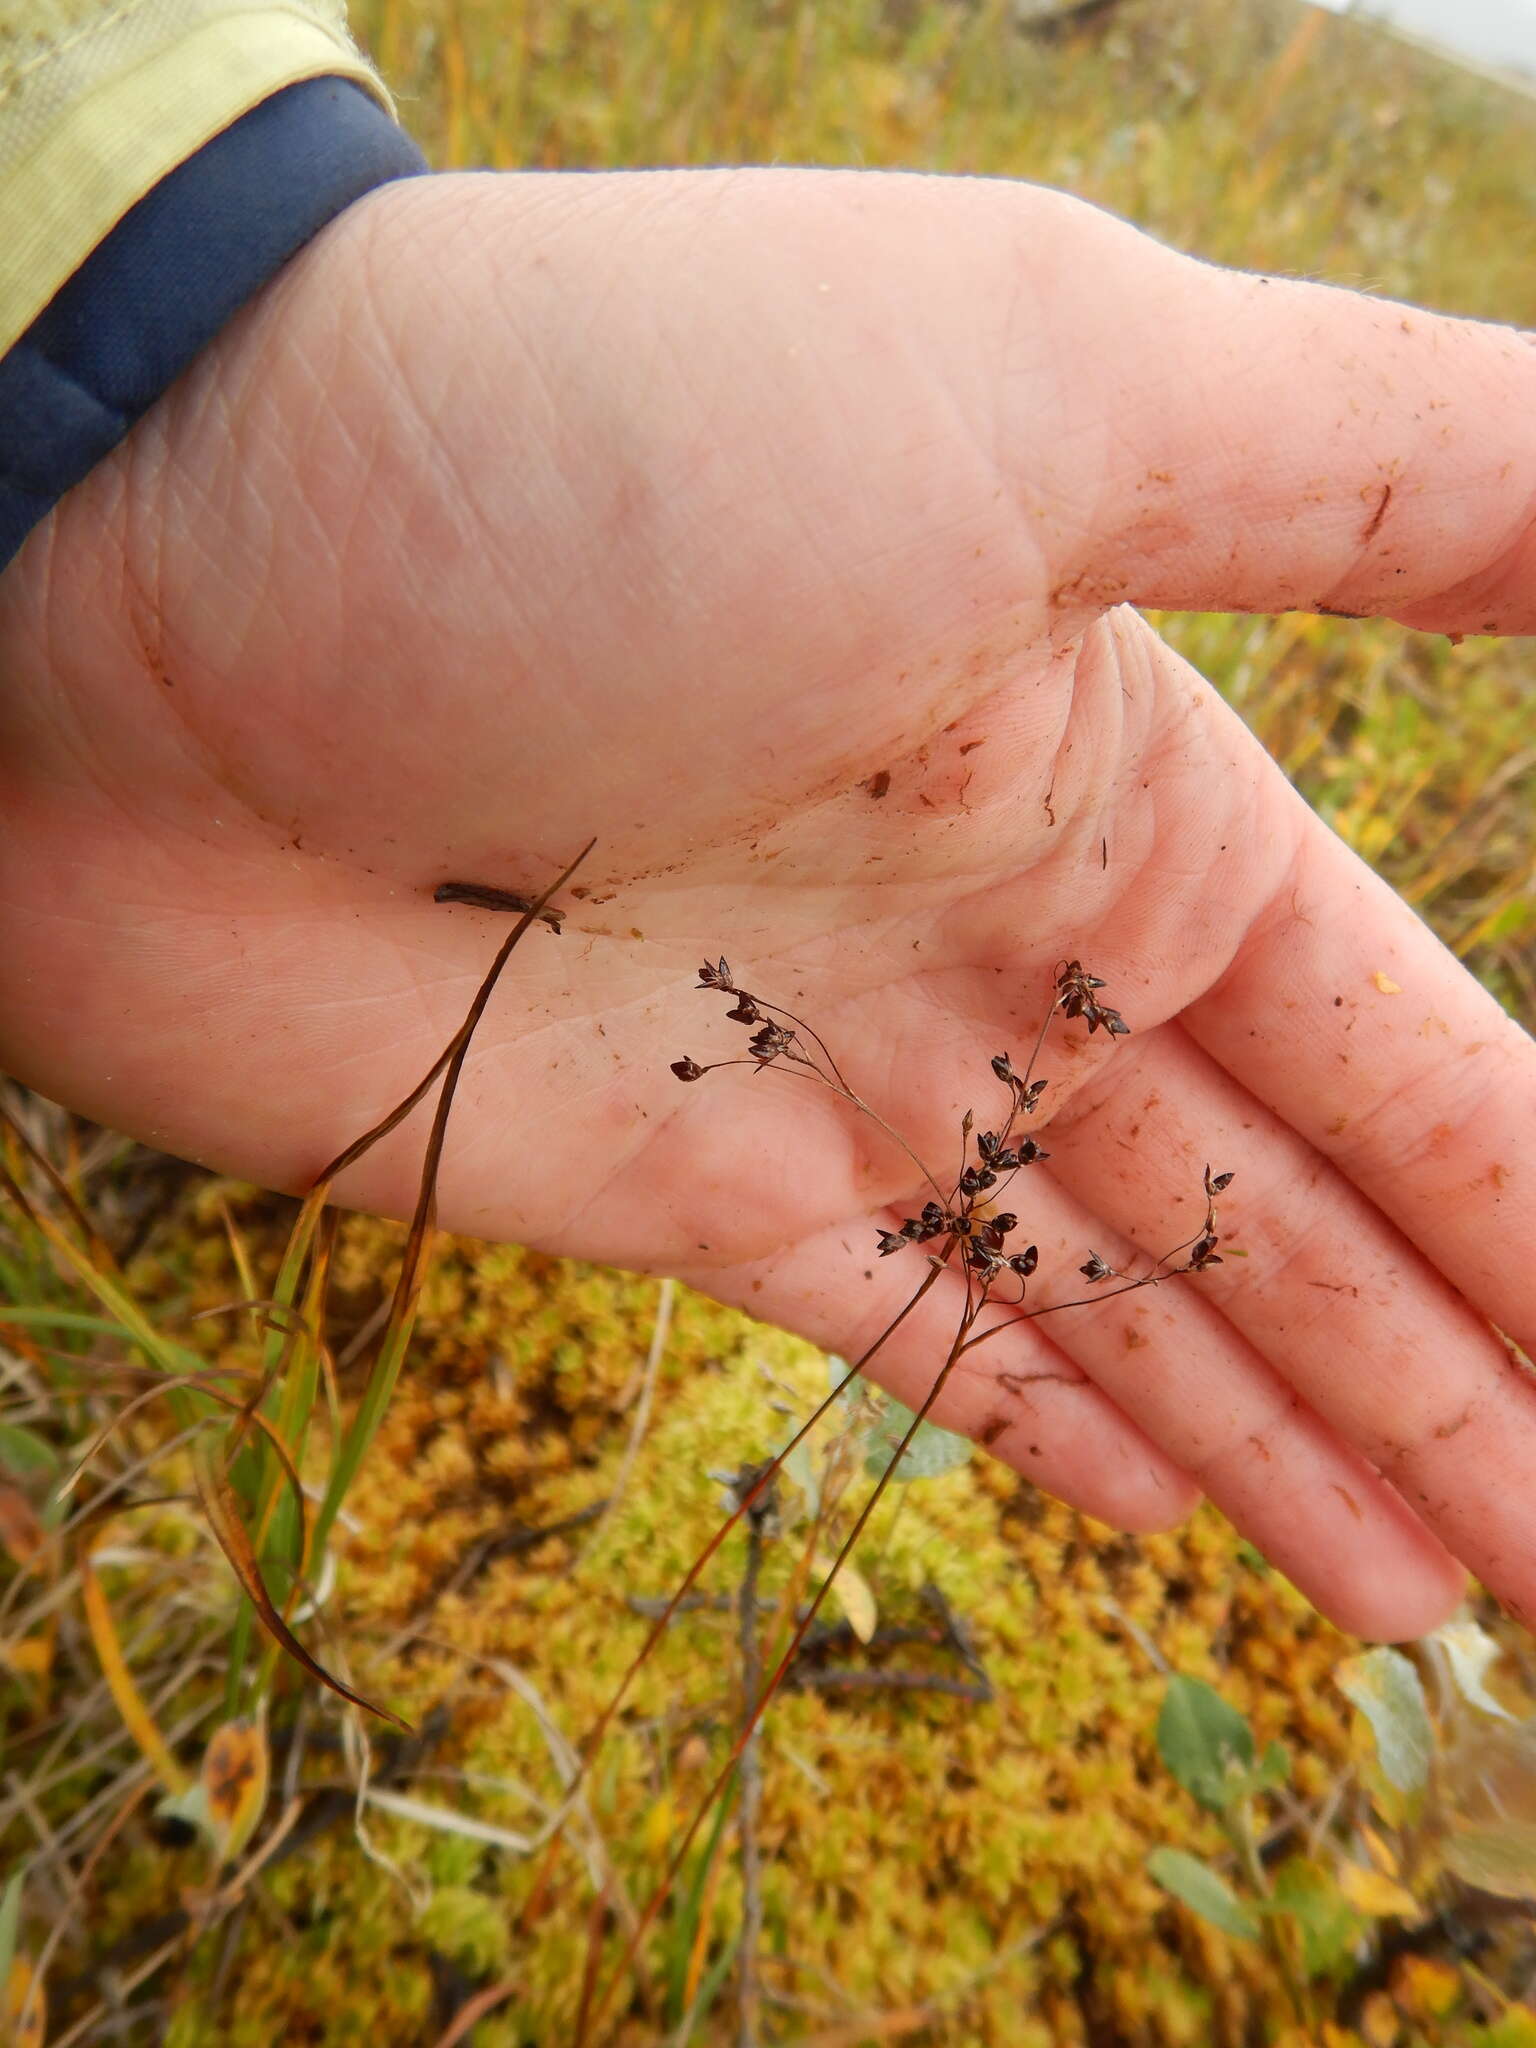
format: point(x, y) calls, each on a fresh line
point(129, 1701)
point(223, 1512)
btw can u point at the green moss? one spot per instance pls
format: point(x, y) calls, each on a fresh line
point(915, 1832)
point(468, 1927)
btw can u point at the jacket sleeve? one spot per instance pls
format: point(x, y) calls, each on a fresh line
point(159, 161)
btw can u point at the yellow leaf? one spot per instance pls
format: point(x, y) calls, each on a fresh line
point(126, 1696)
point(32, 1657)
point(1499, 1859)
point(1368, 1891)
point(1378, 2020)
point(1425, 1987)
point(1381, 1852)
point(854, 1597)
point(20, 1531)
point(693, 1755)
point(26, 2006)
point(1488, 1806)
point(235, 1773)
point(656, 1828)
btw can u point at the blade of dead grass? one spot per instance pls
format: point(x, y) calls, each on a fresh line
point(238, 1251)
point(660, 1330)
point(203, 1381)
point(99, 1250)
point(397, 1332)
point(296, 1357)
point(475, 2009)
point(222, 1508)
point(127, 1698)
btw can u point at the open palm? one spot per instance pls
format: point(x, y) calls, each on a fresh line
point(778, 529)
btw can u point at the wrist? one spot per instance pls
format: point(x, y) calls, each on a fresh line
point(172, 274)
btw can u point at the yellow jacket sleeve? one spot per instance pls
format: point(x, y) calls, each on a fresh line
point(99, 99)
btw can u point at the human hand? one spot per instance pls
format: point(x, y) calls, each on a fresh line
point(777, 528)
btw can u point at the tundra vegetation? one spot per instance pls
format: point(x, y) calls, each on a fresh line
point(1026, 1782)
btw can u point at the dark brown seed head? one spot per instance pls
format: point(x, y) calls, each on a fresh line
point(770, 1041)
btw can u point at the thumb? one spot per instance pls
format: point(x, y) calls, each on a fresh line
point(1292, 446)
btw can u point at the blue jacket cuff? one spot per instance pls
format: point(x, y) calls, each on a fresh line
point(173, 271)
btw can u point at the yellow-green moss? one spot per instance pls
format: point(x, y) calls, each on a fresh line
point(911, 1839)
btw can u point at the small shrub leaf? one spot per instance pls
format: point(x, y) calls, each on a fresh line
point(1274, 1769)
point(852, 1395)
point(1307, 1894)
point(234, 1775)
point(798, 1469)
point(1386, 1689)
point(1486, 1782)
point(1376, 1895)
point(931, 1453)
point(1425, 1987)
point(1469, 1651)
point(26, 1455)
point(1201, 1739)
point(852, 1592)
point(1203, 1890)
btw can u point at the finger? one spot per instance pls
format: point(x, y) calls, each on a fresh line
point(1365, 1330)
point(1019, 1395)
point(1287, 445)
point(1346, 1017)
point(1173, 1363)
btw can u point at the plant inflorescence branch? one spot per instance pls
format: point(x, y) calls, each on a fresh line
point(965, 1230)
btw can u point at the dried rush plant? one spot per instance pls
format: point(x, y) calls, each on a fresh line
point(249, 1440)
point(965, 1227)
